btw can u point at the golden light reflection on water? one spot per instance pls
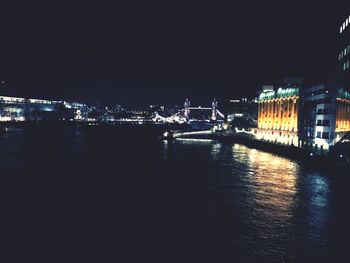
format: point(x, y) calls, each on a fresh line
point(272, 180)
point(275, 203)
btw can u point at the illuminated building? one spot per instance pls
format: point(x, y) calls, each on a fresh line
point(21, 109)
point(243, 113)
point(344, 51)
point(342, 93)
point(342, 111)
point(324, 117)
point(12, 108)
point(278, 114)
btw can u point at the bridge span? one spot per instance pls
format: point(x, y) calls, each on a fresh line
point(193, 114)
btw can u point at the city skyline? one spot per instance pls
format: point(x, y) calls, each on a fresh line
point(170, 132)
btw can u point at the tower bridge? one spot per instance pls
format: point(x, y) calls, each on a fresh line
point(191, 114)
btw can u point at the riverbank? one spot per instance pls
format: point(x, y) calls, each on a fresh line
point(289, 151)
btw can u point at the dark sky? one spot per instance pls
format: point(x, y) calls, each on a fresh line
point(147, 53)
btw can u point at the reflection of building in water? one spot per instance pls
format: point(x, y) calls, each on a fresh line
point(278, 114)
point(216, 150)
point(273, 193)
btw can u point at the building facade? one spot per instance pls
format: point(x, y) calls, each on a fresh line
point(21, 109)
point(243, 113)
point(278, 115)
point(344, 52)
point(324, 117)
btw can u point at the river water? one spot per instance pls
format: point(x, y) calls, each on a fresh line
point(71, 194)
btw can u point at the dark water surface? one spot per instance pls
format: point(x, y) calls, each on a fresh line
point(107, 195)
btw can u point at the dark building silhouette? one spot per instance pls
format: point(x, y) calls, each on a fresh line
point(343, 65)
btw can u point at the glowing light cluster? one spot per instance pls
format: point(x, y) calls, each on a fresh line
point(278, 114)
point(343, 115)
point(345, 24)
point(38, 101)
point(6, 100)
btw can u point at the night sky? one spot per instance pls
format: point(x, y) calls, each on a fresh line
point(160, 53)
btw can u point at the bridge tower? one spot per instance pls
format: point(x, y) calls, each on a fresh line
point(187, 104)
point(214, 110)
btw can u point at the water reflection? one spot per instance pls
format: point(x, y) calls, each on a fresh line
point(188, 195)
point(194, 141)
point(271, 183)
point(11, 149)
point(216, 151)
point(316, 200)
point(277, 207)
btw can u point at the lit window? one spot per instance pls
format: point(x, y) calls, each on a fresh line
point(344, 66)
point(347, 64)
point(341, 29)
point(347, 22)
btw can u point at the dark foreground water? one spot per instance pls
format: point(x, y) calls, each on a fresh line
point(108, 195)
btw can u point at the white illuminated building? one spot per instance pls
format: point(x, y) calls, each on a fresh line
point(14, 109)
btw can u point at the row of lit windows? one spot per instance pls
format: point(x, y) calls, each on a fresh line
point(276, 110)
point(11, 99)
point(345, 24)
point(346, 65)
point(344, 52)
point(276, 115)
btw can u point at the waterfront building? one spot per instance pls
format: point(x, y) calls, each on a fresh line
point(21, 109)
point(324, 117)
point(344, 51)
point(12, 108)
point(278, 114)
point(243, 113)
point(41, 110)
